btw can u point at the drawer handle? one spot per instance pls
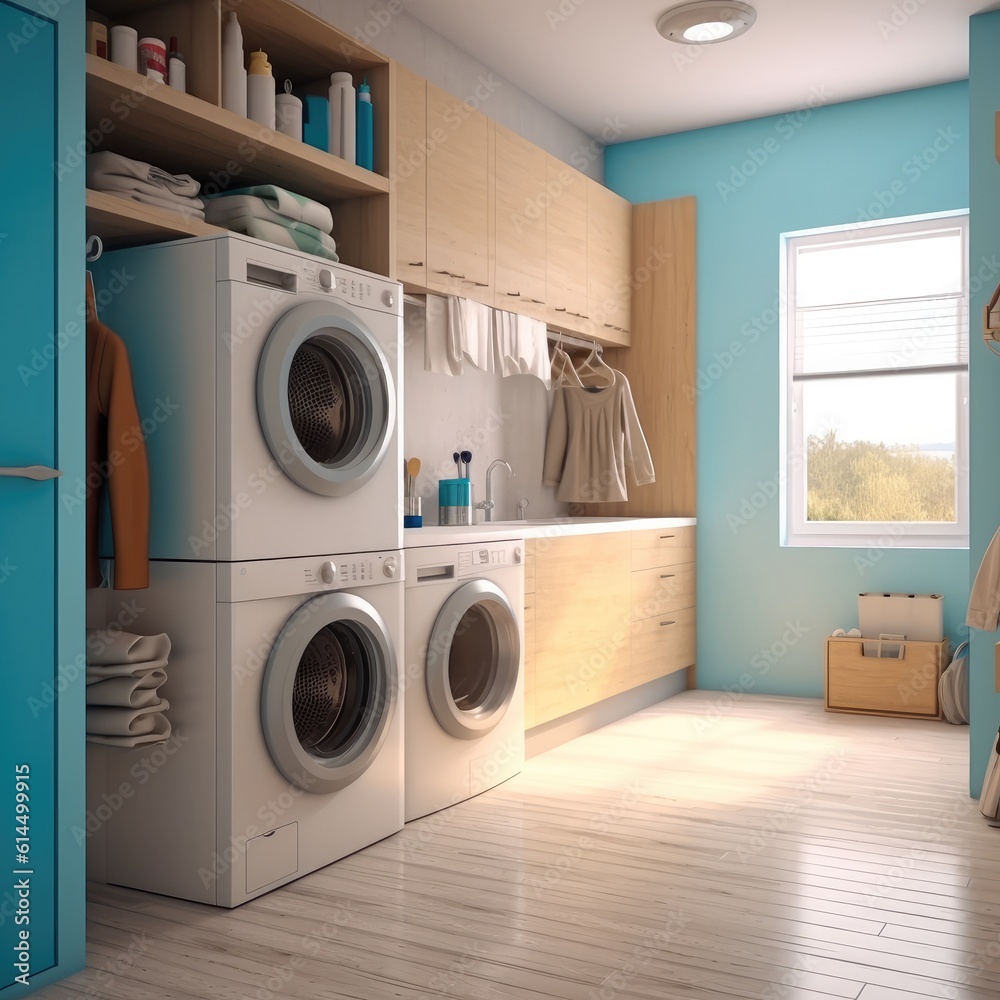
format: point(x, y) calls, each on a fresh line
point(419, 263)
point(667, 536)
point(559, 309)
point(515, 295)
point(667, 623)
point(667, 576)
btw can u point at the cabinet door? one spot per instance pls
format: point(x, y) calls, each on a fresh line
point(459, 222)
point(410, 177)
point(566, 245)
point(42, 408)
point(520, 224)
point(609, 252)
point(582, 633)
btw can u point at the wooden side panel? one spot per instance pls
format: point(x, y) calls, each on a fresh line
point(582, 608)
point(661, 362)
point(408, 178)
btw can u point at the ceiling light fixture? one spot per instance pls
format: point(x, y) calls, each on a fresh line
point(705, 22)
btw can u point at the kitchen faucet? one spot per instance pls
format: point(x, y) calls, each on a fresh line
point(487, 505)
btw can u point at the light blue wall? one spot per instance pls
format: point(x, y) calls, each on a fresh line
point(764, 610)
point(984, 181)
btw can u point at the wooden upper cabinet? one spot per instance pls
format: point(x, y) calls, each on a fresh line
point(520, 175)
point(565, 244)
point(609, 265)
point(459, 206)
point(410, 177)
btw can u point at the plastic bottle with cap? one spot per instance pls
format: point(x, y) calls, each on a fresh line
point(288, 113)
point(260, 90)
point(365, 126)
point(176, 70)
point(343, 115)
point(234, 76)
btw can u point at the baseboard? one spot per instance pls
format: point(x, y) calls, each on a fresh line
point(586, 720)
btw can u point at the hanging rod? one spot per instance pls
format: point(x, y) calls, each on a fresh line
point(568, 340)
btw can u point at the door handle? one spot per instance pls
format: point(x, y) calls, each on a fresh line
point(39, 472)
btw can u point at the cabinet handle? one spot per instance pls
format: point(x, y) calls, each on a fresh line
point(417, 263)
point(559, 309)
point(37, 472)
point(668, 536)
point(667, 623)
point(461, 277)
point(515, 295)
point(667, 576)
point(539, 302)
point(610, 327)
point(480, 284)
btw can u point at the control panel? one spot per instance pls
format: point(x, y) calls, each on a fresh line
point(260, 579)
point(476, 559)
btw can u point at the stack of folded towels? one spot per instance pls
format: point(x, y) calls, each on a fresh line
point(124, 674)
point(145, 184)
point(271, 213)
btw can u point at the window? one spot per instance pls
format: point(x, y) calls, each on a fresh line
point(876, 372)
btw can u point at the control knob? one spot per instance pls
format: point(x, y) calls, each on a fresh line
point(326, 278)
point(389, 567)
point(388, 299)
point(328, 572)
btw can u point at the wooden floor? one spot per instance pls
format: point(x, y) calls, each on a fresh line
point(705, 848)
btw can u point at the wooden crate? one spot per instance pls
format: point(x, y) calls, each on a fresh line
point(868, 685)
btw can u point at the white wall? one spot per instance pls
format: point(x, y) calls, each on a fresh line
point(491, 416)
point(422, 50)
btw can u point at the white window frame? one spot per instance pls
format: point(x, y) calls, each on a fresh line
point(795, 529)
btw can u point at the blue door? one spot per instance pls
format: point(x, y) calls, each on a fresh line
point(42, 359)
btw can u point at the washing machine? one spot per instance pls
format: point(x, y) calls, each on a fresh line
point(269, 382)
point(286, 751)
point(463, 672)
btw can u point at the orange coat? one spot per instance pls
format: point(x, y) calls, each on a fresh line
point(116, 457)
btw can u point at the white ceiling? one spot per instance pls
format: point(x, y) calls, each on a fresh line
point(601, 64)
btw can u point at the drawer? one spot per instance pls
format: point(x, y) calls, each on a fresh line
point(272, 856)
point(662, 645)
point(664, 547)
point(662, 588)
point(883, 685)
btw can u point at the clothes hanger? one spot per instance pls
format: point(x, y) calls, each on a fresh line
point(594, 366)
point(563, 371)
point(95, 247)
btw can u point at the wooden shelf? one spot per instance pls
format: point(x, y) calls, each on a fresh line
point(184, 134)
point(124, 223)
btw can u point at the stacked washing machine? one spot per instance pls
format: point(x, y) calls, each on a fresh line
point(277, 565)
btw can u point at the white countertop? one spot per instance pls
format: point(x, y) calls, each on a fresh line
point(552, 527)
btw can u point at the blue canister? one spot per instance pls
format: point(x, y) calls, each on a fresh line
point(316, 121)
point(454, 501)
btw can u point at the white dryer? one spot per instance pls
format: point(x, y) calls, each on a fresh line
point(287, 745)
point(463, 674)
point(270, 386)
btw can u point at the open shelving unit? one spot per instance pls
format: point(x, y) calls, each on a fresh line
point(191, 133)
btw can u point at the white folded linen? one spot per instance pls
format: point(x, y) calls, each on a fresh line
point(188, 210)
point(107, 164)
point(108, 721)
point(114, 184)
point(127, 692)
point(471, 326)
point(283, 202)
point(111, 647)
point(442, 351)
point(160, 732)
point(522, 346)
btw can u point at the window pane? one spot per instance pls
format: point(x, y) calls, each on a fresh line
point(881, 448)
point(863, 271)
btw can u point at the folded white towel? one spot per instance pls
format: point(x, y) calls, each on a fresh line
point(285, 203)
point(107, 164)
point(127, 692)
point(189, 210)
point(105, 721)
point(96, 675)
point(115, 184)
point(442, 350)
point(159, 733)
point(107, 647)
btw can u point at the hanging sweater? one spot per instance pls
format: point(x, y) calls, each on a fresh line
point(594, 437)
point(116, 457)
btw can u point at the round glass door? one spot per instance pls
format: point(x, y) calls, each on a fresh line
point(473, 659)
point(325, 398)
point(328, 692)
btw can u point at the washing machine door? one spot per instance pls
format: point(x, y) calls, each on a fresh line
point(328, 692)
point(473, 659)
point(325, 398)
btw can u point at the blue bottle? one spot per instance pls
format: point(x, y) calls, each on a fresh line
point(365, 126)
